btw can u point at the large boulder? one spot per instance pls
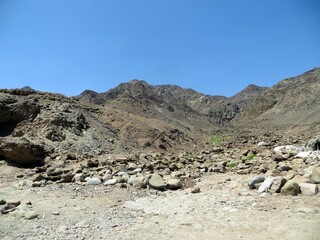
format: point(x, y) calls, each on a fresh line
point(21, 150)
point(290, 188)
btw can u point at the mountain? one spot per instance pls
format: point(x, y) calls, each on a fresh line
point(247, 95)
point(136, 116)
point(290, 102)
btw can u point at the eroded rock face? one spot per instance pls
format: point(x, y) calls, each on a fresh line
point(21, 150)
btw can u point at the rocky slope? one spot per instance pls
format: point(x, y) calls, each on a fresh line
point(136, 116)
point(293, 101)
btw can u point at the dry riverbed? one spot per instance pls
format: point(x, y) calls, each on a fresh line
point(224, 209)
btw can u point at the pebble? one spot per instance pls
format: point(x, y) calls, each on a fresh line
point(195, 189)
point(307, 210)
point(30, 215)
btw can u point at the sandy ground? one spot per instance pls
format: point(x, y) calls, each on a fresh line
point(224, 209)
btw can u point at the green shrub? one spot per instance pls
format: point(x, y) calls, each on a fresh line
point(216, 139)
point(232, 164)
point(251, 156)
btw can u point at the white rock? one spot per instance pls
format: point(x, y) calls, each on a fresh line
point(137, 170)
point(266, 185)
point(122, 174)
point(94, 181)
point(261, 144)
point(308, 188)
point(303, 155)
point(110, 182)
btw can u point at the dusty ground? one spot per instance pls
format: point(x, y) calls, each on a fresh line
point(224, 209)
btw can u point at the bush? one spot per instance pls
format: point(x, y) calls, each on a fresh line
point(251, 156)
point(232, 164)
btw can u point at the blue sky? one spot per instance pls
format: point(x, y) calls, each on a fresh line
point(215, 47)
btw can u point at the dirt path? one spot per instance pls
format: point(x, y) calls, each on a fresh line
point(224, 209)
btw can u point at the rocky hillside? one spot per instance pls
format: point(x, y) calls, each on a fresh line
point(136, 116)
point(293, 101)
point(170, 101)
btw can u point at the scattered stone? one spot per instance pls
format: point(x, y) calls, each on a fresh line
point(255, 181)
point(174, 184)
point(77, 178)
point(277, 158)
point(263, 144)
point(38, 177)
point(315, 175)
point(94, 181)
point(30, 215)
point(284, 168)
point(16, 204)
point(92, 164)
point(290, 188)
point(266, 185)
point(56, 213)
point(195, 189)
point(106, 177)
point(157, 182)
point(277, 184)
point(36, 184)
point(8, 208)
point(66, 177)
point(308, 188)
point(2, 201)
point(303, 155)
point(139, 182)
point(307, 210)
point(110, 182)
point(300, 179)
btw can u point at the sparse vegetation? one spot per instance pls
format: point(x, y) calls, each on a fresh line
point(232, 164)
point(251, 156)
point(217, 139)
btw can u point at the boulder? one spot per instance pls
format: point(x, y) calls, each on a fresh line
point(94, 181)
point(277, 184)
point(139, 182)
point(110, 182)
point(308, 188)
point(315, 175)
point(157, 182)
point(21, 150)
point(255, 181)
point(266, 185)
point(67, 177)
point(290, 188)
point(174, 184)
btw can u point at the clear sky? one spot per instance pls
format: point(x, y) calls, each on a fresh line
point(216, 47)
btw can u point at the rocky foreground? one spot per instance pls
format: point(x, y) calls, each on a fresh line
point(264, 191)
